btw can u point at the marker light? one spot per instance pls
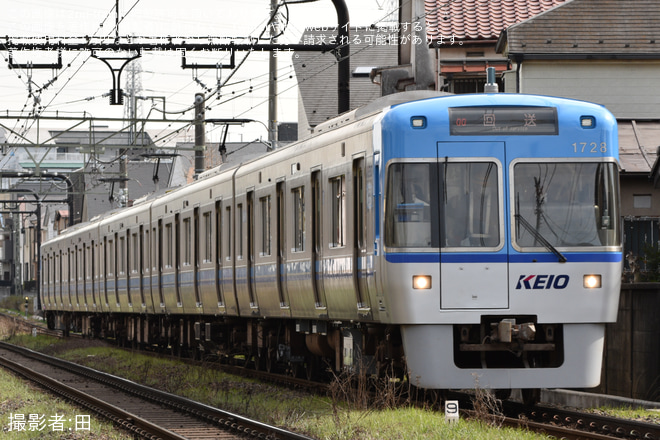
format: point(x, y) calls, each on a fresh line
point(421, 282)
point(592, 282)
point(587, 121)
point(418, 122)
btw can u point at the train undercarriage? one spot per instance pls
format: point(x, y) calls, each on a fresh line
point(302, 348)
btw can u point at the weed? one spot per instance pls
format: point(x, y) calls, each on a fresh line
point(487, 407)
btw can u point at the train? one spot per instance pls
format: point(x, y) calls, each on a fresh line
point(454, 241)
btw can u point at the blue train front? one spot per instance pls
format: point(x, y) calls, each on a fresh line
point(498, 241)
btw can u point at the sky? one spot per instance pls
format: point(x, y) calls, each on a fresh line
point(80, 86)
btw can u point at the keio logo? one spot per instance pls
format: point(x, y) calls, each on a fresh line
point(538, 282)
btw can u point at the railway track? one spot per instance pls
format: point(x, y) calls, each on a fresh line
point(592, 425)
point(558, 422)
point(562, 423)
point(146, 412)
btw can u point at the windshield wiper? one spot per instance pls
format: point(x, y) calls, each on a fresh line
point(537, 235)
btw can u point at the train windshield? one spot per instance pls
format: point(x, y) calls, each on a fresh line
point(565, 205)
point(450, 204)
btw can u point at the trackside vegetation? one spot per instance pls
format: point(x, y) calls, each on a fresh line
point(333, 417)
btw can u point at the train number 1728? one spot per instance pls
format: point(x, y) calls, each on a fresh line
point(590, 147)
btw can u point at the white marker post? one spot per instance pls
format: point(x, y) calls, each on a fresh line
point(451, 411)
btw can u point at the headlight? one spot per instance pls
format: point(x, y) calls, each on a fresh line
point(421, 281)
point(592, 282)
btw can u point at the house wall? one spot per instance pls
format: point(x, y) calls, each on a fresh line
point(628, 88)
point(632, 187)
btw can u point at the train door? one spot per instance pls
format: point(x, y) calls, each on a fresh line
point(473, 259)
point(195, 256)
point(317, 240)
point(141, 263)
point(360, 265)
point(177, 259)
point(160, 264)
point(281, 245)
point(218, 253)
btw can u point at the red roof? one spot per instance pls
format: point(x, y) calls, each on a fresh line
point(478, 19)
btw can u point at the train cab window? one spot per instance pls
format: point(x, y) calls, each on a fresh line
point(298, 219)
point(452, 204)
point(560, 205)
point(338, 211)
point(409, 206)
point(471, 205)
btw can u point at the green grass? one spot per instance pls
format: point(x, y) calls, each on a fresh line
point(641, 414)
point(318, 417)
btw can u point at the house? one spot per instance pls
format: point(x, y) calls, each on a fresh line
point(460, 37)
point(610, 55)
point(463, 36)
point(317, 72)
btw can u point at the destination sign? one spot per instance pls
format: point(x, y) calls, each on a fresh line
point(481, 121)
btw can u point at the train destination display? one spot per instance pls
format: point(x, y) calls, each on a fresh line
point(480, 121)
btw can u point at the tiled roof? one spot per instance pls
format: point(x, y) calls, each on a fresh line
point(638, 142)
point(580, 28)
point(479, 19)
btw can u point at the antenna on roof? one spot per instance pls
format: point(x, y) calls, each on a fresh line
point(491, 83)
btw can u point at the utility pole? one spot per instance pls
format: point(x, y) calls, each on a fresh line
point(200, 135)
point(272, 80)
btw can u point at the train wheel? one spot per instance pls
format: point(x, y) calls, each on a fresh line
point(531, 396)
point(296, 369)
point(503, 394)
point(271, 360)
point(311, 367)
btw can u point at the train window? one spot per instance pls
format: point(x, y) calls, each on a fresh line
point(338, 211)
point(566, 205)
point(111, 257)
point(135, 247)
point(239, 230)
point(187, 241)
point(208, 244)
point(265, 225)
point(298, 219)
point(156, 259)
point(168, 245)
point(145, 267)
point(471, 204)
point(228, 224)
point(122, 256)
point(408, 205)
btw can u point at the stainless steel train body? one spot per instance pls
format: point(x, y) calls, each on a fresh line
point(474, 239)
